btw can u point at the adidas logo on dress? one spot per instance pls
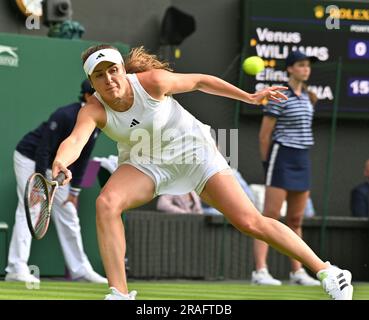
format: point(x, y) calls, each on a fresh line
point(134, 122)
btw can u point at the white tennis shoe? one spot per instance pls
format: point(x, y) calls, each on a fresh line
point(336, 282)
point(21, 277)
point(300, 277)
point(116, 295)
point(263, 277)
point(93, 277)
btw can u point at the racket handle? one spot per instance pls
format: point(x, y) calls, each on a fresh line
point(60, 177)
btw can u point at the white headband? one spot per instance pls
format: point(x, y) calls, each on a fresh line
point(94, 59)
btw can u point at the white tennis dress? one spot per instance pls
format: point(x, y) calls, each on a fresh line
point(164, 141)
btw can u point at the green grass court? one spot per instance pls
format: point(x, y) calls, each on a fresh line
point(172, 290)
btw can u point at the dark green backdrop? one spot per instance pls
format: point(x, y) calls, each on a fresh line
point(48, 76)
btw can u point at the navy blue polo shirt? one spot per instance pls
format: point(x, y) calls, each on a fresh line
point(41, 144)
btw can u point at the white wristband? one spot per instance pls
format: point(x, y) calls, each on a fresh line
point(74, 191)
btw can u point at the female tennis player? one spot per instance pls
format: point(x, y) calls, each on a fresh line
point(163, 149)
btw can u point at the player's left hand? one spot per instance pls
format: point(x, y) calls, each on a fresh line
point(270, 93)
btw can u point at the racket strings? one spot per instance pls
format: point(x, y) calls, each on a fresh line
point(38, 200)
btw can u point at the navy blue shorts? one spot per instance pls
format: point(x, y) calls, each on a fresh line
point(288, 168)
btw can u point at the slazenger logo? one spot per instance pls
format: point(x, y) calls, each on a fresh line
point(8, 57)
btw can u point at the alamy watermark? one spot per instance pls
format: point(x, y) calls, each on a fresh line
point(190, 146)
point(34, 271)
point(333, 19)
point(33, 21)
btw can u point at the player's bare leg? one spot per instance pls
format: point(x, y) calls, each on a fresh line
point(223, 192)
point(127, 188)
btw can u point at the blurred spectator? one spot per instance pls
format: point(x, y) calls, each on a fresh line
point(359, 201)
point(110, 163)
point(309, 211)
point(259, 196)
point(185, 203)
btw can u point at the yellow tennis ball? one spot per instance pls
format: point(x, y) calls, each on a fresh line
point(253, 65)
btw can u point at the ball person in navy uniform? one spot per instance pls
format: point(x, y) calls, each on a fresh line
point(35, 153)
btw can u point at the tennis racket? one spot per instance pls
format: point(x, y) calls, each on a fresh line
point(38, 200)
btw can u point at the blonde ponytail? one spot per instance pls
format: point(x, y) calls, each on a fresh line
point(139, 60)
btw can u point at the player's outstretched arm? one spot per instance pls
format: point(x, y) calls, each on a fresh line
point(162, 82)
point(71, 148)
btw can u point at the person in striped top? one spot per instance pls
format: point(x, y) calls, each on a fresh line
point(285, 138)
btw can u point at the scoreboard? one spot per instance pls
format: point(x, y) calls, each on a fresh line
point(328, 30)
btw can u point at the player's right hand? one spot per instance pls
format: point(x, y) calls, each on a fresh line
point(270, 93)
point(59, 167)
